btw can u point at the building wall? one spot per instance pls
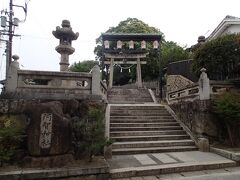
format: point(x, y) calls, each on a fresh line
point(235, 28)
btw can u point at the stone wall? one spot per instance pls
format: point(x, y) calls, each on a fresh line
point(197, 117)
point(48, 128)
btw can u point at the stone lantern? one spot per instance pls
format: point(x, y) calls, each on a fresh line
point(65, 36)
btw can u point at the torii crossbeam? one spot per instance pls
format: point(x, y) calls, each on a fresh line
point(132, 55)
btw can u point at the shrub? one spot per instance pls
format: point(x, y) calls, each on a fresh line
point(89, 133)
point(227, 109)
point(10, 139)
point(220, 57)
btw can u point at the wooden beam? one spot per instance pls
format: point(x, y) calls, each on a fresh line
point(125, 56)
point(127, 62)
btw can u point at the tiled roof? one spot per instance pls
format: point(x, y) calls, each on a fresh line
point(132, 36)
point(226, 22)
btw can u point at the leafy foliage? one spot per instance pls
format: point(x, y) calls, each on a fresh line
point(10, 139)
point(220, 57)
point(227, 109)
point(84, 66)
point(170, 51)
point(89, 133)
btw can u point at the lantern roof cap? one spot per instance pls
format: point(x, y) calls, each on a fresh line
point(65, 31)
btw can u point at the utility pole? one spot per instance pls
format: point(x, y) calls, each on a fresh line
point(8, 21)
point(10, 37)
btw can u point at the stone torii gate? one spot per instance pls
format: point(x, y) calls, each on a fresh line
point(132, 55)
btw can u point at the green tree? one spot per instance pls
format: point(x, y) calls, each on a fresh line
point(84, 66)
point(169, 50)
point(220, 57)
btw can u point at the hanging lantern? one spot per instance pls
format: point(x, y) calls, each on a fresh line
point(121, 70)
point(129, 70)
point(119, 44)
point(106, 44)
point(131, 45)
point(143, 44)
point(155, 44)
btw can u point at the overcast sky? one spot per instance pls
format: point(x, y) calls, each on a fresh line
point(181, 21)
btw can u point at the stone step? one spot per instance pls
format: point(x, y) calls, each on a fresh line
point(129, 101)
point(137, 108)
point(147, 133)
point(144, 144)
point(129, 96)
point(142, 120)
point(164, 116)
point(170, 168)
point(126, 151)
point(145, 128)
point(149, 138)
point(117, 95)
point(130, 124)
point(128, 91)
point(140, 113)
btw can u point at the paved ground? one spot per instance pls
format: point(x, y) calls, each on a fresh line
point(219, 174)
point(176, 159)
point(140, 160)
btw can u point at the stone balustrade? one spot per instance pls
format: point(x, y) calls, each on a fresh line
point(203, 90)
point(193, 92)
point(28, 84)
point(103, 88)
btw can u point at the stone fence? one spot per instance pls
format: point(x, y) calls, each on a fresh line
point(28, 84)
point(203, 90)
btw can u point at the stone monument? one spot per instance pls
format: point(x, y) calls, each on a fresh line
point(65, 36)
point(49, 135)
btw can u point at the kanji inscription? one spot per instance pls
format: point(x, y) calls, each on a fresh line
point(45, 130)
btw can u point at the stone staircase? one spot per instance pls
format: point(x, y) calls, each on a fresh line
point(138, 129)
point(119, 95)
point(149, 141)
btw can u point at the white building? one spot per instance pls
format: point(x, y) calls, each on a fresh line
point(229, 25)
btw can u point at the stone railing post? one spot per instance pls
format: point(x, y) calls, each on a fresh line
point(96, 80)
point(204, 85)
point(12, 75)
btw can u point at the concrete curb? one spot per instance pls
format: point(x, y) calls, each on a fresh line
point(99, 171)
point(227, 154)
point(169, 168)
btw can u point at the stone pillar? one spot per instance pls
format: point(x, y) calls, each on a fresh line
point(203, 145)
point(96, 80)
point(12, 76)
point(139, 73)
point(64, 62)
point(204, 85)
point(111, 73)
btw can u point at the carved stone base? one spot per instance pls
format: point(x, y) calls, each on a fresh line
point(48, 161)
